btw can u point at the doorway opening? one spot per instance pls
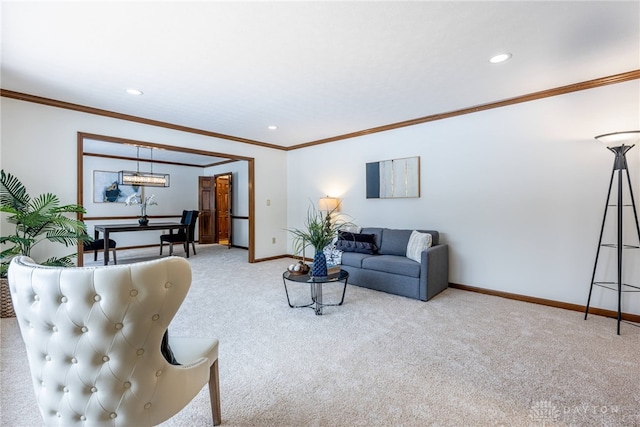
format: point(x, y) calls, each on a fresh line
point(106, 152)
point(223, 208)
point(216, 205)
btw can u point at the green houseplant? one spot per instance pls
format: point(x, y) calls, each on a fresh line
point(319, 230)
point(36, 220)
point(136, 199)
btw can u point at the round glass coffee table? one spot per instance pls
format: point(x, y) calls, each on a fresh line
point(315, 284)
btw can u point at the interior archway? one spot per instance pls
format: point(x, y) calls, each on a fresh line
point(114, 149)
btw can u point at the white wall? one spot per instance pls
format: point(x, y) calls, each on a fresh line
point(517, 192)
point(38, 145)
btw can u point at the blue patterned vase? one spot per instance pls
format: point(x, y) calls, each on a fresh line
point(319, 265)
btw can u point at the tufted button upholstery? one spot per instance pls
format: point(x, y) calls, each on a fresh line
point(93, 342)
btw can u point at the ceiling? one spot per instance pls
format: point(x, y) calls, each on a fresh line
point(313, 69)
point(147, 156)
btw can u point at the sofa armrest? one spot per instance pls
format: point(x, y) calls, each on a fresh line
point(434, 271)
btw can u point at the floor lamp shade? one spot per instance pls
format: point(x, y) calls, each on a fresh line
point(615, 139)
point(328, 204)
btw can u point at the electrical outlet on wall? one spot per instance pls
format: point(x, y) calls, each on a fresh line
point(273, 240)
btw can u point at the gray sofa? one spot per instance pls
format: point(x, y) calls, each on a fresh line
point(389, 270)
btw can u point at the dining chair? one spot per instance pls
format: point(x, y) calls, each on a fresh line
point(93, 337)
point(189, 218)
point(98, 246)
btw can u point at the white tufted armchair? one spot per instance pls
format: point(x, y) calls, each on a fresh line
point(93, 339)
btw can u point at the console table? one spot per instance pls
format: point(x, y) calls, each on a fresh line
point(119, 228)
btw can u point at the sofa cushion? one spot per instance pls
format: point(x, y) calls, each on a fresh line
point(418, 242)
point(392, 264)
point(435, 236)
point(355, 242)
point(354, 259)
point(377, 231)
point(377, 234)
point(394, 242)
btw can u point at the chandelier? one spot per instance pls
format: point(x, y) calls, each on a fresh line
point(143, 179)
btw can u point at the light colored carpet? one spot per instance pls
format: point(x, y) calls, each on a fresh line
point(461, 359)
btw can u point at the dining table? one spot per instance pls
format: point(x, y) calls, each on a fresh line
point(107, 229)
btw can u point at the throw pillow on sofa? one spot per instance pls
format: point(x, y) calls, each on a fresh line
point(332, 254)
point(350, 228)
point(356, 242)
point(418, 242)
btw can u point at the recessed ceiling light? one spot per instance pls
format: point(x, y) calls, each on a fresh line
point(500, 58)
point(132, 91)
point(273, 127)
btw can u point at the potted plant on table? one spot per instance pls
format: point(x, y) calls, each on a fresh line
point(136, 199)
point(319, 230)
point(36, 220)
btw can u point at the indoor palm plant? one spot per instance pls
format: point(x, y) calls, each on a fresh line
point(319, 230)
point(35, 220)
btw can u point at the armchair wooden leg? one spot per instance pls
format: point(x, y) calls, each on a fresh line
point(214, 393)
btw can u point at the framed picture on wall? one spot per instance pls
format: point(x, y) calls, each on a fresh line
point(390, 179)
point(107, 190)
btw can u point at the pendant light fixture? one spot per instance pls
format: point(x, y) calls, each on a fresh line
point(143, 179)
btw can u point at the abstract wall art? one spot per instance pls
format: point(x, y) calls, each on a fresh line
point(389, 179)
point(107, 190)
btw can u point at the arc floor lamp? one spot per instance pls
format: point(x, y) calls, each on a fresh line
point(619, 143)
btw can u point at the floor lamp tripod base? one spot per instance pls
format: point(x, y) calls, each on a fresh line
point(619, 168)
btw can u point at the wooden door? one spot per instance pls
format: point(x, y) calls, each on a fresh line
point(230, 211)
point(223, 185)
point(206, 185)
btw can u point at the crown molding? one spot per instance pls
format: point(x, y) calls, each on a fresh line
point(575, 87)
point(112, 114)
